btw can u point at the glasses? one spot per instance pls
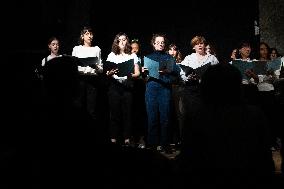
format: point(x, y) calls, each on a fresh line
point(158, 43)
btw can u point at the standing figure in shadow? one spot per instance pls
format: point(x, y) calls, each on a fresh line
point(68, 137)
point(227, 142)
point(139, 131)
point(177, 88)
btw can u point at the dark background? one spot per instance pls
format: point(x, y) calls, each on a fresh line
point(222, 23)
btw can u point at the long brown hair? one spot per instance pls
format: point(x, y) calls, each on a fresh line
point(115, 47)
point(178, 56)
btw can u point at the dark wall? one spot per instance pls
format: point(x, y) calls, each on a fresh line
point(271, 19)
point(223, 24)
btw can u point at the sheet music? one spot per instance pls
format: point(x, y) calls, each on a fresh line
point(124, 68)
point(154, 67)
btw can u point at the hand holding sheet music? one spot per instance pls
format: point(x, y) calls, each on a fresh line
point(192, 76)
point(242, 66)
point(155, 68)
point(121, 69)
point(257, 67)
point(112, 72)
point(274, 64)
point(190, 71)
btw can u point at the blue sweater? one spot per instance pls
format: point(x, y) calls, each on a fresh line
point(160, 56)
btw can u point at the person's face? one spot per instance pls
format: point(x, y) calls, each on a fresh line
point(88, 37)
point(245, 52)
point(234, 54)
point(54, 46)
point(199, 48)
point(134, 48)
point(122, 40)
point(173, 51)
point(273, 54)
point(159, 44)
point(263, 51)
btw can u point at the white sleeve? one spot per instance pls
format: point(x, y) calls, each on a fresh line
point(111, 57)
point(214, 60)
point(100, 57)
point(98, 54)
point(277, 72)
point(135, 57)
point(100, 64)
point(74, 51)
point(43, 62)
point(182, 75)
point(185, 61)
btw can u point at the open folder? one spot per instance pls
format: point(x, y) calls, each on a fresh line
point(257, 66)
point(199, 71)
point(274, 64)
point(124, 68)
point(89, 61)
point(154, 67)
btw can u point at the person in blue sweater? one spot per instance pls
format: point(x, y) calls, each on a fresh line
point(160, 66)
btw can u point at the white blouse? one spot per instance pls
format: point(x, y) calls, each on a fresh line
point(86, 52)
point(193, 62)
point(119, 59)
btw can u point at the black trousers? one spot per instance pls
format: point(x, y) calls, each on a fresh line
point(121, 111)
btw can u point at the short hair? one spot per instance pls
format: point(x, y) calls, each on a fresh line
point(197, 40)
point(83, 31)
point(244, 44)
point(155, 35)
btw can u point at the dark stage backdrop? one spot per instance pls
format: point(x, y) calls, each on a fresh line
point(223, 24)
